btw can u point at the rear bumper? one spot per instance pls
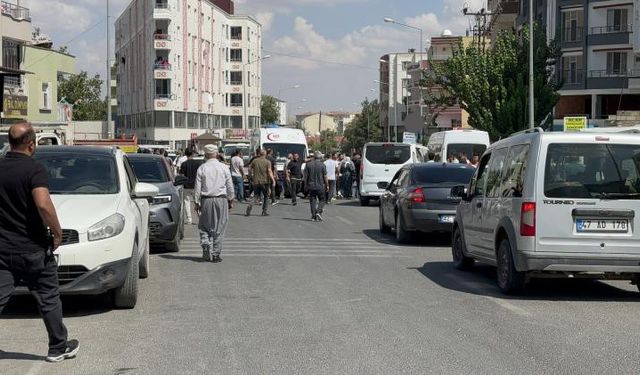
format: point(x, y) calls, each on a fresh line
point(579, 262)
point(424, 220)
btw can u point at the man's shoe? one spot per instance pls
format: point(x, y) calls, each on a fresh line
point(248, 212)
point(70, 352)
point(314, 218)
point(216, 259)
point(318, 217)
point(265, 214)
point(274, 203)
point(294, 203)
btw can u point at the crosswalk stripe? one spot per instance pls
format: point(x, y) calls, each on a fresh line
point(308, 255)
point(297, 239)
point(298, 248)
point(199, 251)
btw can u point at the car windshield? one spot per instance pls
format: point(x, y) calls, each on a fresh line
point(282, 150)
point(150, 170)
point(83, 174)
point(230, 150)
point(444, 176)
point(592, 171)
point(387, 154)
point(465, 150)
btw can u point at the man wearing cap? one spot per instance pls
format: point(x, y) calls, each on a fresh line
point(213, 193)
point(316, 184)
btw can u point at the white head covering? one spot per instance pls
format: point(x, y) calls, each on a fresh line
point(210, 149)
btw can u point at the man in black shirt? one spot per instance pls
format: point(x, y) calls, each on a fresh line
point(317, 184)
point(294, 177)
point(189, 169)
point(26, 255)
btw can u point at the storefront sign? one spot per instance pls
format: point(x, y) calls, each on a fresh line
point(575, 124)
point(15, 106)
point(235, 134)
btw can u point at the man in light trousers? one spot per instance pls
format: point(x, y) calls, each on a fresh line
point(214, 195)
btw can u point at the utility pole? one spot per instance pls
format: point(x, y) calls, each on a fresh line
point(109, 73)
point(482, 27)
point(531, 80)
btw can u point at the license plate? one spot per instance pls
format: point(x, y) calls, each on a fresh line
point(446, 219)
point(602, 226)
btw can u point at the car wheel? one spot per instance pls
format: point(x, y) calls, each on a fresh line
point(126, 296)
point(144, 263)
point(460, 261)
point(402, 235)
point(510, 280)
point(174, 246)
point(364, 201)
point(383, 227)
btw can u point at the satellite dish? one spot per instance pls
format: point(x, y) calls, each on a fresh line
point(446, 32)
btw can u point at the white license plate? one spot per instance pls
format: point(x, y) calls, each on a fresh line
point(602, 225)
point(446, 219)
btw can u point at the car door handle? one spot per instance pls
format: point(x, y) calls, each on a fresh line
point(479, 204)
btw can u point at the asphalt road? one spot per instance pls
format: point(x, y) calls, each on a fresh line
point(297, 297)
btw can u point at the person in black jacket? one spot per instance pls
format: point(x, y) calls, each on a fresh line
point(189, 169)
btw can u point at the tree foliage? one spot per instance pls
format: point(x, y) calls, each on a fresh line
point(355, 133)
point(84, 93)
point(270, 111)
point(326, 143)
point(493, 86)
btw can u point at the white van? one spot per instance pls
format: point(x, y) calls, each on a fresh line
point(458, 143)
point(380, 162)
point(42, 139)
point(282, 141)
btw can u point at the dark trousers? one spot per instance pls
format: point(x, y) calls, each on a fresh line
point(277, 190)
point(294, 188)
point(238, 187)
point(317, 200)
point(259, 192)
point(40, 274)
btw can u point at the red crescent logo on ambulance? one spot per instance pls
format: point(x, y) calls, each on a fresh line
point(273, 136)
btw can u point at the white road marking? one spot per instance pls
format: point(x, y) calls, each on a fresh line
point(346, 221)
point(333, 255)
point(226, 250)
point(509, 306)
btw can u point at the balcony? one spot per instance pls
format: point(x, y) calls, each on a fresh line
point(572, 79)
point(162, 41)
point(162, 102)
point(15, 11)
point(611, 79)
point(571, 36)
point(613, 34)
point(161, 10)
point(162, 71)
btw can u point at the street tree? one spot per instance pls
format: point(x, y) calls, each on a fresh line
point(270, 111)
point(84, 93)
point(327, 142)
point(492, 86)
point(355, 134)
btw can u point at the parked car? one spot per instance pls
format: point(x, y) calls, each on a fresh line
point(553, 205)
point(103, 210)
point(418, 199)
point(166, 223)
point(380, 162)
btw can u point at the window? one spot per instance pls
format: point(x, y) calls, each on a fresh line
point(443, 175)
point(236, 100)
point(477, 184)
point(236, 32)
point(617, 63)
point(236, 78)
point(513, 177)
point(572, 23)
point(46, 96)
point(572, 69)
point(11, 58)
point(388, 154)
point(494, 173)
point(617, 20)
point(236, 55)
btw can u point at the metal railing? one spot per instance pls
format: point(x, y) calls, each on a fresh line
point(572, 76)
point(160, 4)
point(572, 34)
point(15, 11)
point(161, 36)
point(613, 73)
point(236, 83)
point(611, 29)
point(162, 66)
point(162, 96)
point(236, 104)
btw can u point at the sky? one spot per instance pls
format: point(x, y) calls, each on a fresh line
point(330, 48)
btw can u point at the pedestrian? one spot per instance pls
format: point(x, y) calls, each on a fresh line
point(357, 163)
point(317, 185)
point(189, 169)
point(332, 174)
point(237, 174)
point(180, 159)
point(261, 179)
point(294, 177)
point(347, 170)
point(274, 170)
point(214, 195)
point(26, 250)
point(432, 157)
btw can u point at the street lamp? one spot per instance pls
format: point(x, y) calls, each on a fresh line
point(531, 80)
point(244, 88)
point(391, 20)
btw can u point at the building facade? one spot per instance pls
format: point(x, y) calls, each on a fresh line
point(394, 92)
point(15, 33)
point(282, 112)
point(186, 67)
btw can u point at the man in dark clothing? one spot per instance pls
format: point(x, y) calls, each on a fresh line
point(294, 177)
point(357, 163)
point(26, 252)
point(261, 178)
point(189, 169)
point(274, 169)
point(317, 184)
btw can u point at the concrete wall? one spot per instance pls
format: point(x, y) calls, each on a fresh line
point(312, 126)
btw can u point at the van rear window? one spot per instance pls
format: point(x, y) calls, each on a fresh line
point(388, 154)
point(464, 150)
point(592, 171)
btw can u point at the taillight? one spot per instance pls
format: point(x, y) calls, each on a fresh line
point(417, 196)
point(528, 219)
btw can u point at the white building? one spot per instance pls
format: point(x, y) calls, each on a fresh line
point(185, 67)
point(394, 92)
point(282, 112)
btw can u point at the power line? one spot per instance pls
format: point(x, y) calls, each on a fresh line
point(320, 61)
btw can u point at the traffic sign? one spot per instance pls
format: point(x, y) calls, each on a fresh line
point(575, 124)
point(409, 138)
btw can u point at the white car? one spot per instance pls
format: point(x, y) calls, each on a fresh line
point(104, 213)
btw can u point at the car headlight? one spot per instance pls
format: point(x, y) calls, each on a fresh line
point(107, 228)
point(161, 199)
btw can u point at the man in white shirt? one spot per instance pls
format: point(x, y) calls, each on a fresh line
point(237, 174)
point(213, 195)
point(332, 173)
point(179, 160)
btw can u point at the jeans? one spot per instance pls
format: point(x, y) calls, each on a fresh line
point(332, 191)
point(259, 192)
point(238, 186)
point(316, 200)
point(40, 274)
point(294, 188)
point(277, 190)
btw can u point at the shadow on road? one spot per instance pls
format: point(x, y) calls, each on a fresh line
point(20, 356)
point(419, 240)
point(187, 258)
point(25, 307)
point(481, 280)
point(356, 203)
point(297, 219)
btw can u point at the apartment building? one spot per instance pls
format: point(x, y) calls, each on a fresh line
point(185, 67)
point(503, 16)
point(394, 92)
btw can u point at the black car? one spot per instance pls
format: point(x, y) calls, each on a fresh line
point(418, 199)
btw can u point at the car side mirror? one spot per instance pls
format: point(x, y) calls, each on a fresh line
point(144, 190)
point(180, 181)
point(459, 191)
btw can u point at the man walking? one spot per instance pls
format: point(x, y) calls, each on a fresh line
point(294, 177)
point(274, 171)
point(214, 198)
point(189, 169)
point(26, 252)
point(237, 174)
point(331, 165)
point(317, 185)
point(261, 179)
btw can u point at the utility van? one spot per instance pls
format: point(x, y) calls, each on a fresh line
point(454, 144)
